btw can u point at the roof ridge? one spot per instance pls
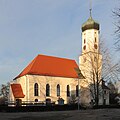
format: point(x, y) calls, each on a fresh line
point(55, 57)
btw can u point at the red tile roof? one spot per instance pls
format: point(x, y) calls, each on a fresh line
point(51, 66)
point(17, 91)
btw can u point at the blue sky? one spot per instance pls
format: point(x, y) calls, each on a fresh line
point(50, 27)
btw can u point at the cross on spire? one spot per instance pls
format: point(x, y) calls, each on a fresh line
point(90, 8)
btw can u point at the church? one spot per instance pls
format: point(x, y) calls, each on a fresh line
point(53, 80)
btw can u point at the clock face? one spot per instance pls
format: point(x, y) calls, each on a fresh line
point(95, 46)
point(84, 47)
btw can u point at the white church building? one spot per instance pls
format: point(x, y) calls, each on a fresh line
point(50, 79)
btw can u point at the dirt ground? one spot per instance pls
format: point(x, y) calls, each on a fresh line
point(98, 114)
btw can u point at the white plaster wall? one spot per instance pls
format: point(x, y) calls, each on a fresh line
point(11, 97)
point(53, 82)
point(27, 83)
point(89, 36)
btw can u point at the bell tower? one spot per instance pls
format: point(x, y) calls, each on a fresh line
point(90, 35)
point(90, 60)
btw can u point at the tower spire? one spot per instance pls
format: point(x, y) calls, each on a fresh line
point(90, 8)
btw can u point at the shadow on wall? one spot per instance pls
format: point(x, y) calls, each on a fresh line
point(83, 97)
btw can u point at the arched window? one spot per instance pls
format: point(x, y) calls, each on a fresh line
point(35, 89)
point(48, 101)
point(77, 91)
point(36, 100)
point(58, 90)
point(68, 91)
point(47, 90)
point(84, 47)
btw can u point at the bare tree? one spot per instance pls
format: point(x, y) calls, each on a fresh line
point(4, 92)
point(116, 13)
point(97, 65)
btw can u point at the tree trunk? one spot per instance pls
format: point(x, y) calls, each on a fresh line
point(97, 85)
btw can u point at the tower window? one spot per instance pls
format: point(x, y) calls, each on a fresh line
point(84, 47)
point(84, 41)
point(95, 40)
point(95, 46)
point(36, 89)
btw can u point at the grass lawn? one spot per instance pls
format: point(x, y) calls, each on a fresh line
point(91, 114)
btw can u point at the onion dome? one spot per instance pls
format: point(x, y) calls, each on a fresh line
point(90, 24)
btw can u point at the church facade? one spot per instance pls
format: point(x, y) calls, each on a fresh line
point(46, 78)
point(49, 79)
